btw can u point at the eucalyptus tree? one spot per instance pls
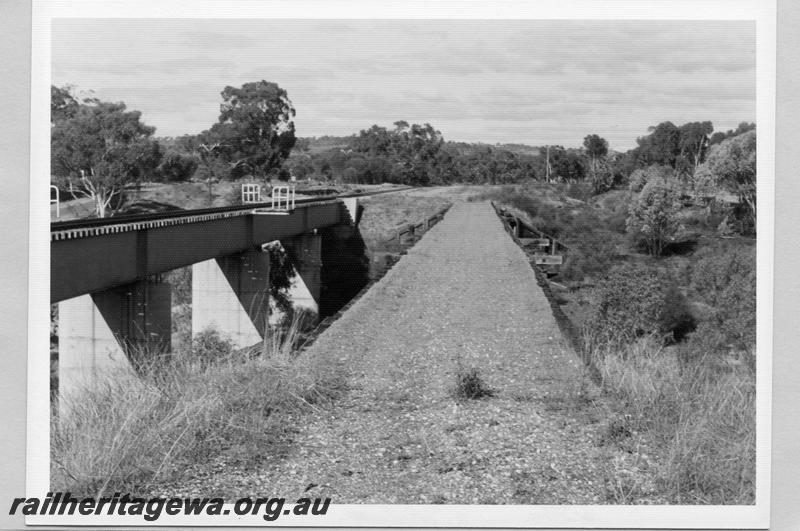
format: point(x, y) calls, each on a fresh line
point(100, 148)
point(255, 132)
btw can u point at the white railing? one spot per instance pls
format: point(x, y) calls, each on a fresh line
point(283, 197)
point(55, 200)
point(251, 193)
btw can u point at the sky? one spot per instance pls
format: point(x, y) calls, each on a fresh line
point(533, 82)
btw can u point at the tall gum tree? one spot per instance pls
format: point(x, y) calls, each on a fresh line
point(693, 142)
point(99, 150)
point(597, 149)
point(255, 131)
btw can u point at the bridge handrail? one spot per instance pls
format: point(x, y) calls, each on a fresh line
point(56, 200)
point(251, 193)
point(283, 194)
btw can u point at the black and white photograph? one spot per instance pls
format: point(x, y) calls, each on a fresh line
point(454, 267)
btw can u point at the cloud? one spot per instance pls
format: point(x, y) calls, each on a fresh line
point(538, 81)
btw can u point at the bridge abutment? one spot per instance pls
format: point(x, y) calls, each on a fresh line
point(231, 295)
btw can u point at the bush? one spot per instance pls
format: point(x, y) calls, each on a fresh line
point(731, 165)
point(675, 315)
point(652, 217)
point(725, 279)
point(592, 256)
point(641, 177)
point(582, 191)
point(637, 300)
point(616, 220)
point(176, 167)
point(718, 267)
point(210, 346)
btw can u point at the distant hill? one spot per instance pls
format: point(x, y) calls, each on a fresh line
point(471, 148)
point(521, 149)
point(313, 144)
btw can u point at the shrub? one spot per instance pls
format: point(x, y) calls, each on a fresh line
point(209, 346)
point(652, 217)
point(582, 191)
point(617, 221)
point(731, 165)
point(601, 178)
point(637, 300)
point(176, 167)
point(718, 267)
point(591, 256)
point(675, 315)
point(641, 177)
point(726, 281)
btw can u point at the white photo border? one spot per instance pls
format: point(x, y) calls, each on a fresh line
point(763, 12)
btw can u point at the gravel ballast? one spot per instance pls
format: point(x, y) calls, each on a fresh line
point(464, 298)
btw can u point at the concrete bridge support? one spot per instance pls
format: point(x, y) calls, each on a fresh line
point(231, 295)
point(305, 252)
point(345, 267)
point(354, 210)
point(113, 330)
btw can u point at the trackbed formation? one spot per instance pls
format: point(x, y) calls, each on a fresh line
point(463, 298)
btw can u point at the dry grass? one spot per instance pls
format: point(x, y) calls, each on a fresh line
point(700, 414)
point(127, 433)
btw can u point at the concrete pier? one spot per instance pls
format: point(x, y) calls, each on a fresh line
point(113, 330)
point(231, 295)
point(305, 252)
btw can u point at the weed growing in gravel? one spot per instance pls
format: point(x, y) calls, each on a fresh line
point(128, 432)
point(470, 385)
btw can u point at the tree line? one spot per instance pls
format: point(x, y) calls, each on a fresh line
point(99, 148)
point(410, 154)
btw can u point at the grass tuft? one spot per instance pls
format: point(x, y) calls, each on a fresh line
point(470, 385)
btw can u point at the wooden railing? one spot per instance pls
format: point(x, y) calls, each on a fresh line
point(549, 250)
point(412, 229)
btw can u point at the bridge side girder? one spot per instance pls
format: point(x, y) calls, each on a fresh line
point(96, 263)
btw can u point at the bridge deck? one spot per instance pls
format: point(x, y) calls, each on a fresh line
point(87, 256)
point(466, 296)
